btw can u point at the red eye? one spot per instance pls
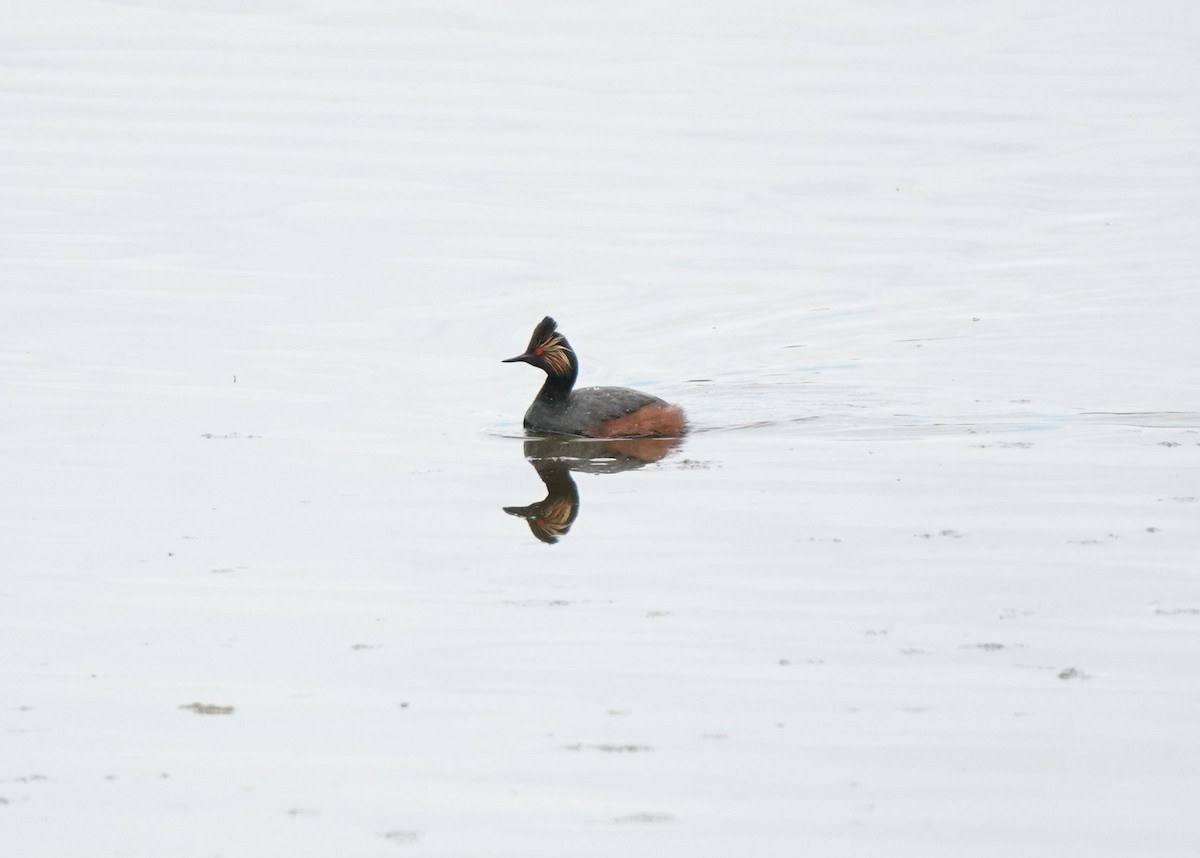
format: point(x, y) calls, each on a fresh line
point(537, 351)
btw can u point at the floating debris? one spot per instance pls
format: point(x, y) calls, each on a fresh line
point(611, 749)
point(208, 709)
point(1073, 673)
point(644, 818)
point(402, 836)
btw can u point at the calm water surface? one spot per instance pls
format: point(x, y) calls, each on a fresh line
point(281, 575)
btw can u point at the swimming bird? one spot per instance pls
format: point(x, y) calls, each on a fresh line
point(590, 412)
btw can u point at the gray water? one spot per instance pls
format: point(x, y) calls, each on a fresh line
point(922, 579)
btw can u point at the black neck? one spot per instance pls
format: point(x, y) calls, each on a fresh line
point(557, 389)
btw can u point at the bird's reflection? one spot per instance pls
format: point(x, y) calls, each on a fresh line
point(551, 518)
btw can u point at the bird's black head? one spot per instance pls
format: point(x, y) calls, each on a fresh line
point(549, 351)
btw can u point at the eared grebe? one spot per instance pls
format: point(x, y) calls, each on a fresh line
point(592, 412)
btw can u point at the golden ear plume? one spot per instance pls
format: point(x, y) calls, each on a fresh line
point(554, 352)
